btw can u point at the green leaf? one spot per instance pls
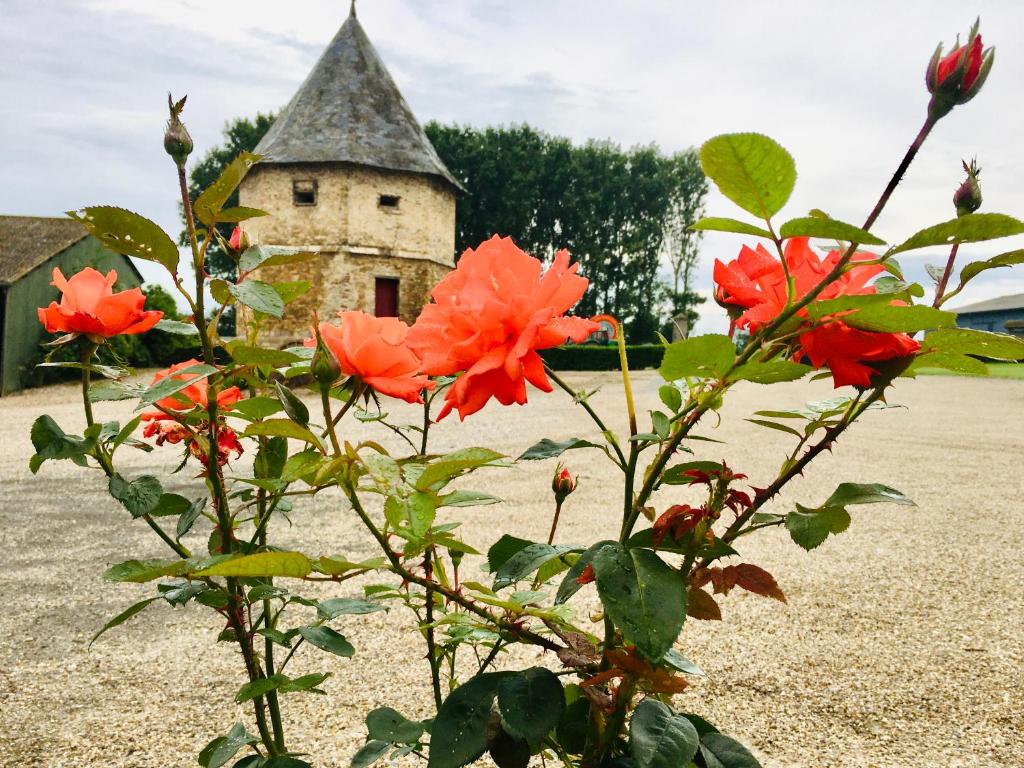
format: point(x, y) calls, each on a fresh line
point(893, 318)
point(282, 428)
point(975, 268)
point(459, 732)
point(256, 407)
point(570, 584)
point(810, 527)
point(387, 724)
point(503, 549)
point(708, 356)
point(261, 564)
point(170, 385)
point(548, 448)
point(530, 703)
point(239, 213)
point(122, 617)
point(223, 748)
point(346, 606)
point(770, 372)
point(51, 442)
point(454, 464)
point(139, 571)
point(659, 738)
point(293, 406)
point(643, 596)
point(865, 493)
point(177, 328)
point(677, 661)
point(832, 229)
point(129, 234)
point(326, 639)
point(965, 341)
point(281, 683)
point(259, 296)
point(271, 256)
point(208, 205)
point(170, 505)
point(369, 753)
point(262, 357)
point(676, 474)
point(752, 170)
point(526, 561)
point(777, 426)
point(466, 499)
point(289, 291)
point(721, 751)
point(720, 224)
point(972, 228)
point(948, 361)
point(139, 496)
point(188, 518)
point(670, 396)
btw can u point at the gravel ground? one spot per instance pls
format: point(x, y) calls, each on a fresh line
point(901, 645)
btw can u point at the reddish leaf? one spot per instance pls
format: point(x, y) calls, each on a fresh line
point(757, 580)
point(701, 605)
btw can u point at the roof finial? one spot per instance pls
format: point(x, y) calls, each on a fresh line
point(352, 9)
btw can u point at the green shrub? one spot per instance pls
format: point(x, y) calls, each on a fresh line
point(595, 357)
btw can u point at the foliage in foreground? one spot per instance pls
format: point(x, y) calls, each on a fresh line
point(610, 690)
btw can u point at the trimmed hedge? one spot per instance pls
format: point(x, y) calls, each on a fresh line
point(594, 357)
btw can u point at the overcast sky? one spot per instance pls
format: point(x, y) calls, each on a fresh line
point(84, 84)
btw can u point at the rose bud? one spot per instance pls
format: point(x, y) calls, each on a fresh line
point(967, 198)
point(957, 77)
point(177, 141)
point(239, 240)
point(324, 365)
point(563, 483)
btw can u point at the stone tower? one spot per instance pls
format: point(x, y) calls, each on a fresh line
point(348, 172)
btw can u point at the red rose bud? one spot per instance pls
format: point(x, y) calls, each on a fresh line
point(957, 77)
point(967, 197)
point(177, 141)
point(235, 240)
point(563, 483)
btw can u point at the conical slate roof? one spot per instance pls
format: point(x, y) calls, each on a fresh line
point(350, 110)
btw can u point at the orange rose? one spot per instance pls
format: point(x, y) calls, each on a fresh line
point(374, 349)
point(489, 318)
point(753, 286)
point(191, 396)
point(89, 305)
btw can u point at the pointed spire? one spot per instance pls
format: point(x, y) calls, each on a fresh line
point(349, 110)
point(352, 9)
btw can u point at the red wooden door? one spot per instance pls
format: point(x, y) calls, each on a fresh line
point(386, 297)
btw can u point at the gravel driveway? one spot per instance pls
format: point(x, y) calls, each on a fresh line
point(901, 645)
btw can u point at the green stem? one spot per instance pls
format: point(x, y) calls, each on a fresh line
point(435, 664)
point(215, 479)
point(325, 402)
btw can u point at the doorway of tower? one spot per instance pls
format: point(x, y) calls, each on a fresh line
point(386, 297)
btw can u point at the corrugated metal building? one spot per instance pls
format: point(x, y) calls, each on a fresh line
point(30, 247)
point(1004, 314)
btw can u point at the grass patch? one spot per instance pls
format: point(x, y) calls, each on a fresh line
point(995, 370)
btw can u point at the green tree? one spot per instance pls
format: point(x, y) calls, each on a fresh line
point(681, 244)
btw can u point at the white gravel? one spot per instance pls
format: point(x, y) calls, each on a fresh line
point(901, 645)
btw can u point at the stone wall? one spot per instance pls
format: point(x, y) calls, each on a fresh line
point(358, 240)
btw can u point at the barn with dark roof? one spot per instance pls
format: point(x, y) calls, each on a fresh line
point(30, 248)
point(348, 172)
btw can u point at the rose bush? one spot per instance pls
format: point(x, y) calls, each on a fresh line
point(605, 692)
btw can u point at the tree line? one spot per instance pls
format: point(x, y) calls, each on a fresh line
point(622, 213)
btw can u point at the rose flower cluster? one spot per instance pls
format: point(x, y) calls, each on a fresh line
point(753, 287)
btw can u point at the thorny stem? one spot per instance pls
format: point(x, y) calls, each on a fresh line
point(215, 479)
point(554, 521)
point(940, 289)
point(435, 664)
point(357, 392)
point(454, 596)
